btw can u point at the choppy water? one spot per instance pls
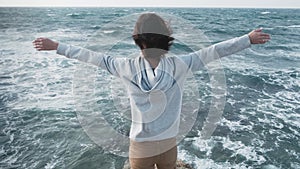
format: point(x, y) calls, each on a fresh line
point(260, 127)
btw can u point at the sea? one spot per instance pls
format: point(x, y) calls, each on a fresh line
point(40, 127)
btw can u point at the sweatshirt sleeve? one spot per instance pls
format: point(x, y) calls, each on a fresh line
point(199, 59)
point(101, 60)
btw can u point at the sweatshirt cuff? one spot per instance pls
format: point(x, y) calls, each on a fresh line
point(245, 39)
point(62, 49)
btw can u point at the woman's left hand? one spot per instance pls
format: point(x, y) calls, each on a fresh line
point(258, 37)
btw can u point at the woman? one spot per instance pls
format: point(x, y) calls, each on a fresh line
point(154, 83)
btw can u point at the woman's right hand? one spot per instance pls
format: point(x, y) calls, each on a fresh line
point(45, 44)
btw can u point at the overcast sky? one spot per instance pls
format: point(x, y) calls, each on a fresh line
point(157, 3)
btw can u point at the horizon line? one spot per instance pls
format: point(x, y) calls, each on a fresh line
point(89, 6)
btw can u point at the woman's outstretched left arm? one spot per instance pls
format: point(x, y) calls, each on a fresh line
point(199, 59)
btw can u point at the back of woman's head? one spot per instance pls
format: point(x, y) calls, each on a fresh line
point(151, 31)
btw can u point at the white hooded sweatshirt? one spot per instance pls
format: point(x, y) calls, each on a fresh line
point(155, 95)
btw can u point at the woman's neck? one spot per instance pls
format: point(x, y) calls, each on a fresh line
point(153, 61)
point(153, 56)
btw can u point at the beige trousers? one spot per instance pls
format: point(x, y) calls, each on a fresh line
point(145, 155)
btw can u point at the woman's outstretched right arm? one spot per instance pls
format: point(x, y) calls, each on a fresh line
point(105, 62)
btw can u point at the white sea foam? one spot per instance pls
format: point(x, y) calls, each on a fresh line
point(293, 26)
point(236, 125)
point(289, 26)
point(266, 106)
point(108, 31)
point(295, 165)
point(266, 12)
point(73, 14)
point(51, 164)
point(269, 166)
point(249, 152)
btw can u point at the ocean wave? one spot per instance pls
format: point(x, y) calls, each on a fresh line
point(109, 31)
point(229, 148)
point(265, 12)
point(289, 26)
point(261, 82)
point(279, 47)
point(96, 27)
point(293, 26)
point(79, 15)
point(51, 14)
point(73, 14)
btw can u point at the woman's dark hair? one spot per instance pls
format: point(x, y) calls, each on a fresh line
point(151, 31)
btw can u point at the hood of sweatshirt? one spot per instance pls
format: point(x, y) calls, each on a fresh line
point(161, 78)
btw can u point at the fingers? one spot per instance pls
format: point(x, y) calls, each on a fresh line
point(38, 43)
point(38, 40)
point(259, 37)
point(45, 44)
point(264, 37)
point(261, 33)
point(262, 41)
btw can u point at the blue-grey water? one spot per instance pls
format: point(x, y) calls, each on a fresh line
point(260, 126)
